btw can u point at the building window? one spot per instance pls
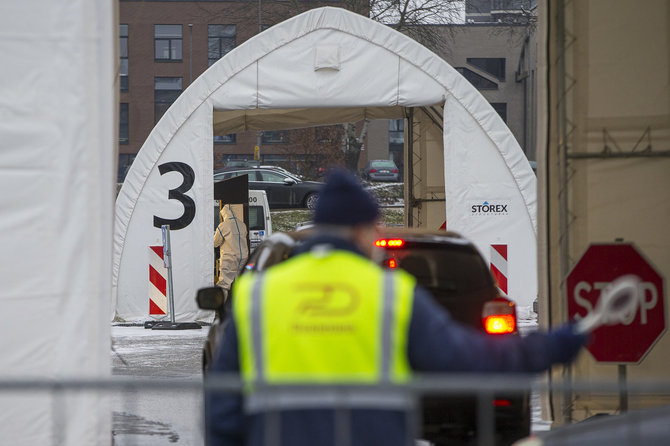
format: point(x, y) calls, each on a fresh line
point(225, 139)
point(166, 91)
point(124, 131)
point(491, 65)
point(220, 41)
point(396, 131)
point(479, 82)
point(501, 108)
point(275, 137)
point(123, 52)
point(125, 160)
point(167, 42)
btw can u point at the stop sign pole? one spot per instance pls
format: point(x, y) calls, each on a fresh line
point(630, 341)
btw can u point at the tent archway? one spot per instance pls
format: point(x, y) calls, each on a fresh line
point(324, 65)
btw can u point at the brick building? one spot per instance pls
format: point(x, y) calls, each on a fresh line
point(165, 45)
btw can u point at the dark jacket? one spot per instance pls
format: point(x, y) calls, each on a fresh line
point(436, 343)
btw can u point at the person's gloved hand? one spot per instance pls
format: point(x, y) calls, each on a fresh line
point(566, 343)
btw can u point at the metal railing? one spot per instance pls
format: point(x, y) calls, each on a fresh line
point(481, 387)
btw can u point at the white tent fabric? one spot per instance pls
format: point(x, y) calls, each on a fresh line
point(57, 176)
point(311, 69)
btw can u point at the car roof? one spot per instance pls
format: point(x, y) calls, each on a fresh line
point(409, 234)
point(238, 168)
point(423, 235)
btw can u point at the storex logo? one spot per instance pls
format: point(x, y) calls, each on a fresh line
point(490, 208)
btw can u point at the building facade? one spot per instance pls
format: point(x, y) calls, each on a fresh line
point(165, 45)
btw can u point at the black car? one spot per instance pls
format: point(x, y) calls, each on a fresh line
point(284, 190)
point(453, 271)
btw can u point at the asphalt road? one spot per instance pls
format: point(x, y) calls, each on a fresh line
point(169, 417)
point(150, 418)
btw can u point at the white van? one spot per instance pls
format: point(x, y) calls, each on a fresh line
point(260, 222)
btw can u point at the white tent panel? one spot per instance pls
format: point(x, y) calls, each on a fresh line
point(417, 88)
point(57, 158)
point(483, 194)
point(270, 82)
point(239, 90)
point(353, 82)
point(193, 262)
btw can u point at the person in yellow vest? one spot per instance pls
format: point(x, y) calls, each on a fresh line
point(329, 315)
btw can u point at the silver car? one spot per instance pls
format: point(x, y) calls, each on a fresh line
point(380, 170)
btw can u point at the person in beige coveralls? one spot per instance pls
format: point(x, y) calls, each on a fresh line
point(231, 239)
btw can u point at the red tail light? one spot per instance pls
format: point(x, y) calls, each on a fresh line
point(372, 170)
point(499, 316)
point(390, 243)
point(502, 403)
point(392, 263)
point(395, 171)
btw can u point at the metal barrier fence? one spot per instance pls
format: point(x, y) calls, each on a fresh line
point(483, 387)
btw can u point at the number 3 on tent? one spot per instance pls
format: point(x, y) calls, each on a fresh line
point(179, 194)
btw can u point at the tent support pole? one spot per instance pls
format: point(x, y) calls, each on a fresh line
point(409, 167)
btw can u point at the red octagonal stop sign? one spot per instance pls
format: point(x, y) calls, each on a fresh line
point(628, 342)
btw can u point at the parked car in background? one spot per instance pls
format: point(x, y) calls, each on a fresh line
point(284, 190)
point(453, 271)
point(380, 170)
point(235, 164)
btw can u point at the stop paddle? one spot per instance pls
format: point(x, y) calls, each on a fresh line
point(618, 301)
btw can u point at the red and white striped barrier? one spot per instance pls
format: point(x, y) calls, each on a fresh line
point(157, 282)
point(498, 266)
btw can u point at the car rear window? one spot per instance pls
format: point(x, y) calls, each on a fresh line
point(456, 276)
point(447, 270)
point(256, 218)
point(383, 164)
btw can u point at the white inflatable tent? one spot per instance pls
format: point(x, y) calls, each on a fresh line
point(326, 65)
point(58, 178)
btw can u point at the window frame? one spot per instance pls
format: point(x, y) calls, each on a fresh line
point(123, 37)
point(124, 123)
point(501, 109)
point(170, 40)
point(482, 64)
point(275, 137)
point(220, 38)
point(163, 103)
point(231, 139)
point(465, 72)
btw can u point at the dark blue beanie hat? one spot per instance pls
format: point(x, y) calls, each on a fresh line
point(343, 201)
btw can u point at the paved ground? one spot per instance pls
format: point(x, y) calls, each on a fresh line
point(142, 418)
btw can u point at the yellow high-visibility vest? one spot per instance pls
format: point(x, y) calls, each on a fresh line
point(317, 319)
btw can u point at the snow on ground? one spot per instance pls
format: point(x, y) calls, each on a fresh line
point(527, 320)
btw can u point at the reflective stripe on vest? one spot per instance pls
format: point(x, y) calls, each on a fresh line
point(347, 325)
point(269, 399)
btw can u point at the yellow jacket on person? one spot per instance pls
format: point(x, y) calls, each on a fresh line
point(324, 318)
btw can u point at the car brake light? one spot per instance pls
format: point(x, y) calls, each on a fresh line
point(499, 316)
point(390, 243)
point(392, 263)
point(372, 170)
point(502, 403)
point(395, 171)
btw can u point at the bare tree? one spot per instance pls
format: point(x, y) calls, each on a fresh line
point(418, 19)
point(353, 144)
point(312, 151)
